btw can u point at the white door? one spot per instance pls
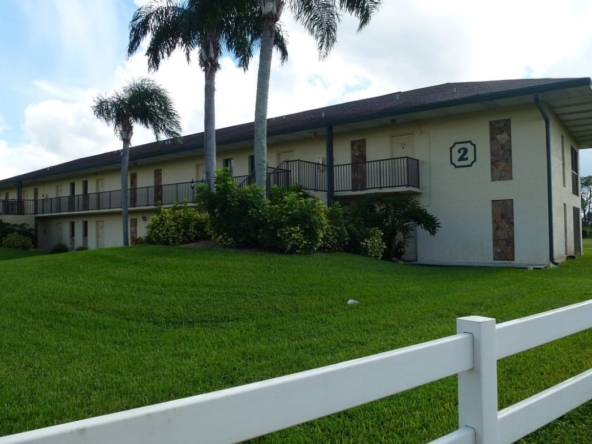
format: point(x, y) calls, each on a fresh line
point(100, 234)
point(286, 178)
point(402, 146)
point(102, 199)
point(287, 155)
point(59, 233)
point(200, 171)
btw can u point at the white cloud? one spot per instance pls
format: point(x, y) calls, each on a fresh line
point(56, 131)
point(409, 44)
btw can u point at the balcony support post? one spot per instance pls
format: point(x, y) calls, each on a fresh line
point(329, 156)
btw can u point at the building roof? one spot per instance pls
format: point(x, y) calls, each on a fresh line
point(411, 105)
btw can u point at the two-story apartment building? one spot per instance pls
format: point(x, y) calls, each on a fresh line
point(496, 162)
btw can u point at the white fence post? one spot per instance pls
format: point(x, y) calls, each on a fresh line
point(477, 388)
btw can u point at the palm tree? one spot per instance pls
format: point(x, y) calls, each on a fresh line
point(208, 26)
point(320, 18)
point(144, 102)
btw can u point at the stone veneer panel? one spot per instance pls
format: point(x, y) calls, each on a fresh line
point(500, 142)
point(502, 214)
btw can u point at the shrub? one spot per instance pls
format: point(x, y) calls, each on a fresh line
point(278, 193)
point(296, 222)
point(372, 245)
point(22, 229)
point(236, 215)
point(202, 225)
point(16, 240)
point(359, 235)
point(139, 241)
point(395, 216)
point(336, 235)
point(177, 225)
point(59, 248)
point(81, 248)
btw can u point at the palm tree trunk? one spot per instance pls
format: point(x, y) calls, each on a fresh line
point(124, 204)
point(210, 124)
point(262, 100)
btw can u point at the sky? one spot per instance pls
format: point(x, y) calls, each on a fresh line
point(56, 56)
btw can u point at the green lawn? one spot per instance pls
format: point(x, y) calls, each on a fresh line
point(13, 253)
point(94, 332)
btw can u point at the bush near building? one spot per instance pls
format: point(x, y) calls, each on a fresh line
point(291, 220)
point(22, 229)
point(177, 225)
point(17, 240)
point(395, 216)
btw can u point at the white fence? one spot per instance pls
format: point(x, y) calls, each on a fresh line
point(257, 409)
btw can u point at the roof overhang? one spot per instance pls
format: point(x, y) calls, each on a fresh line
point(570, 101)
point(572, 106)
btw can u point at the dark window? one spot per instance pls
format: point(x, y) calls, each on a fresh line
point(72, 228)
point(85, 187)
point(228, 163)
point(575, 180)
point(84, 228)
point(71, 203)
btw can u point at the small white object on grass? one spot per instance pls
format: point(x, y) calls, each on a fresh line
point(352, 302)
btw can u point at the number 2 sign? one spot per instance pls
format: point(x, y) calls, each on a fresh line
point(463, 154)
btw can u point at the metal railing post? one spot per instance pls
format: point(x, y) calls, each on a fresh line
point(477, 388)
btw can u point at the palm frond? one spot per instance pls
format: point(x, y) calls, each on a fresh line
point(280, 42)
point(206, 25)
point(362, 9)
point(242, 29)
point(141, 101)
point(170, 26)
point(149, 104)
point(320, 18)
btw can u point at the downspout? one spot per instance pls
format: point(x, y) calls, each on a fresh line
point(329, 155)
point(549, 180)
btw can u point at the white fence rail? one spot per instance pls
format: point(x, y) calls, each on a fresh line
point(260, 408)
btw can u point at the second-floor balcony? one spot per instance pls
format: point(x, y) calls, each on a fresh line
point(392, 175)
point(104, 200)
point(385, 174)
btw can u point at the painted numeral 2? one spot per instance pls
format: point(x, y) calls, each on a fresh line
point(463, 154)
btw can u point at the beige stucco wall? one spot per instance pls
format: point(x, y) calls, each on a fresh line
point(49, 233)
point(461, 197)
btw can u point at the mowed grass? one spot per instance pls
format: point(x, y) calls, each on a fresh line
point(95, 332)
point(13, 253)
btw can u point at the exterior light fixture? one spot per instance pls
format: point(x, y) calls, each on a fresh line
point(144, 218)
